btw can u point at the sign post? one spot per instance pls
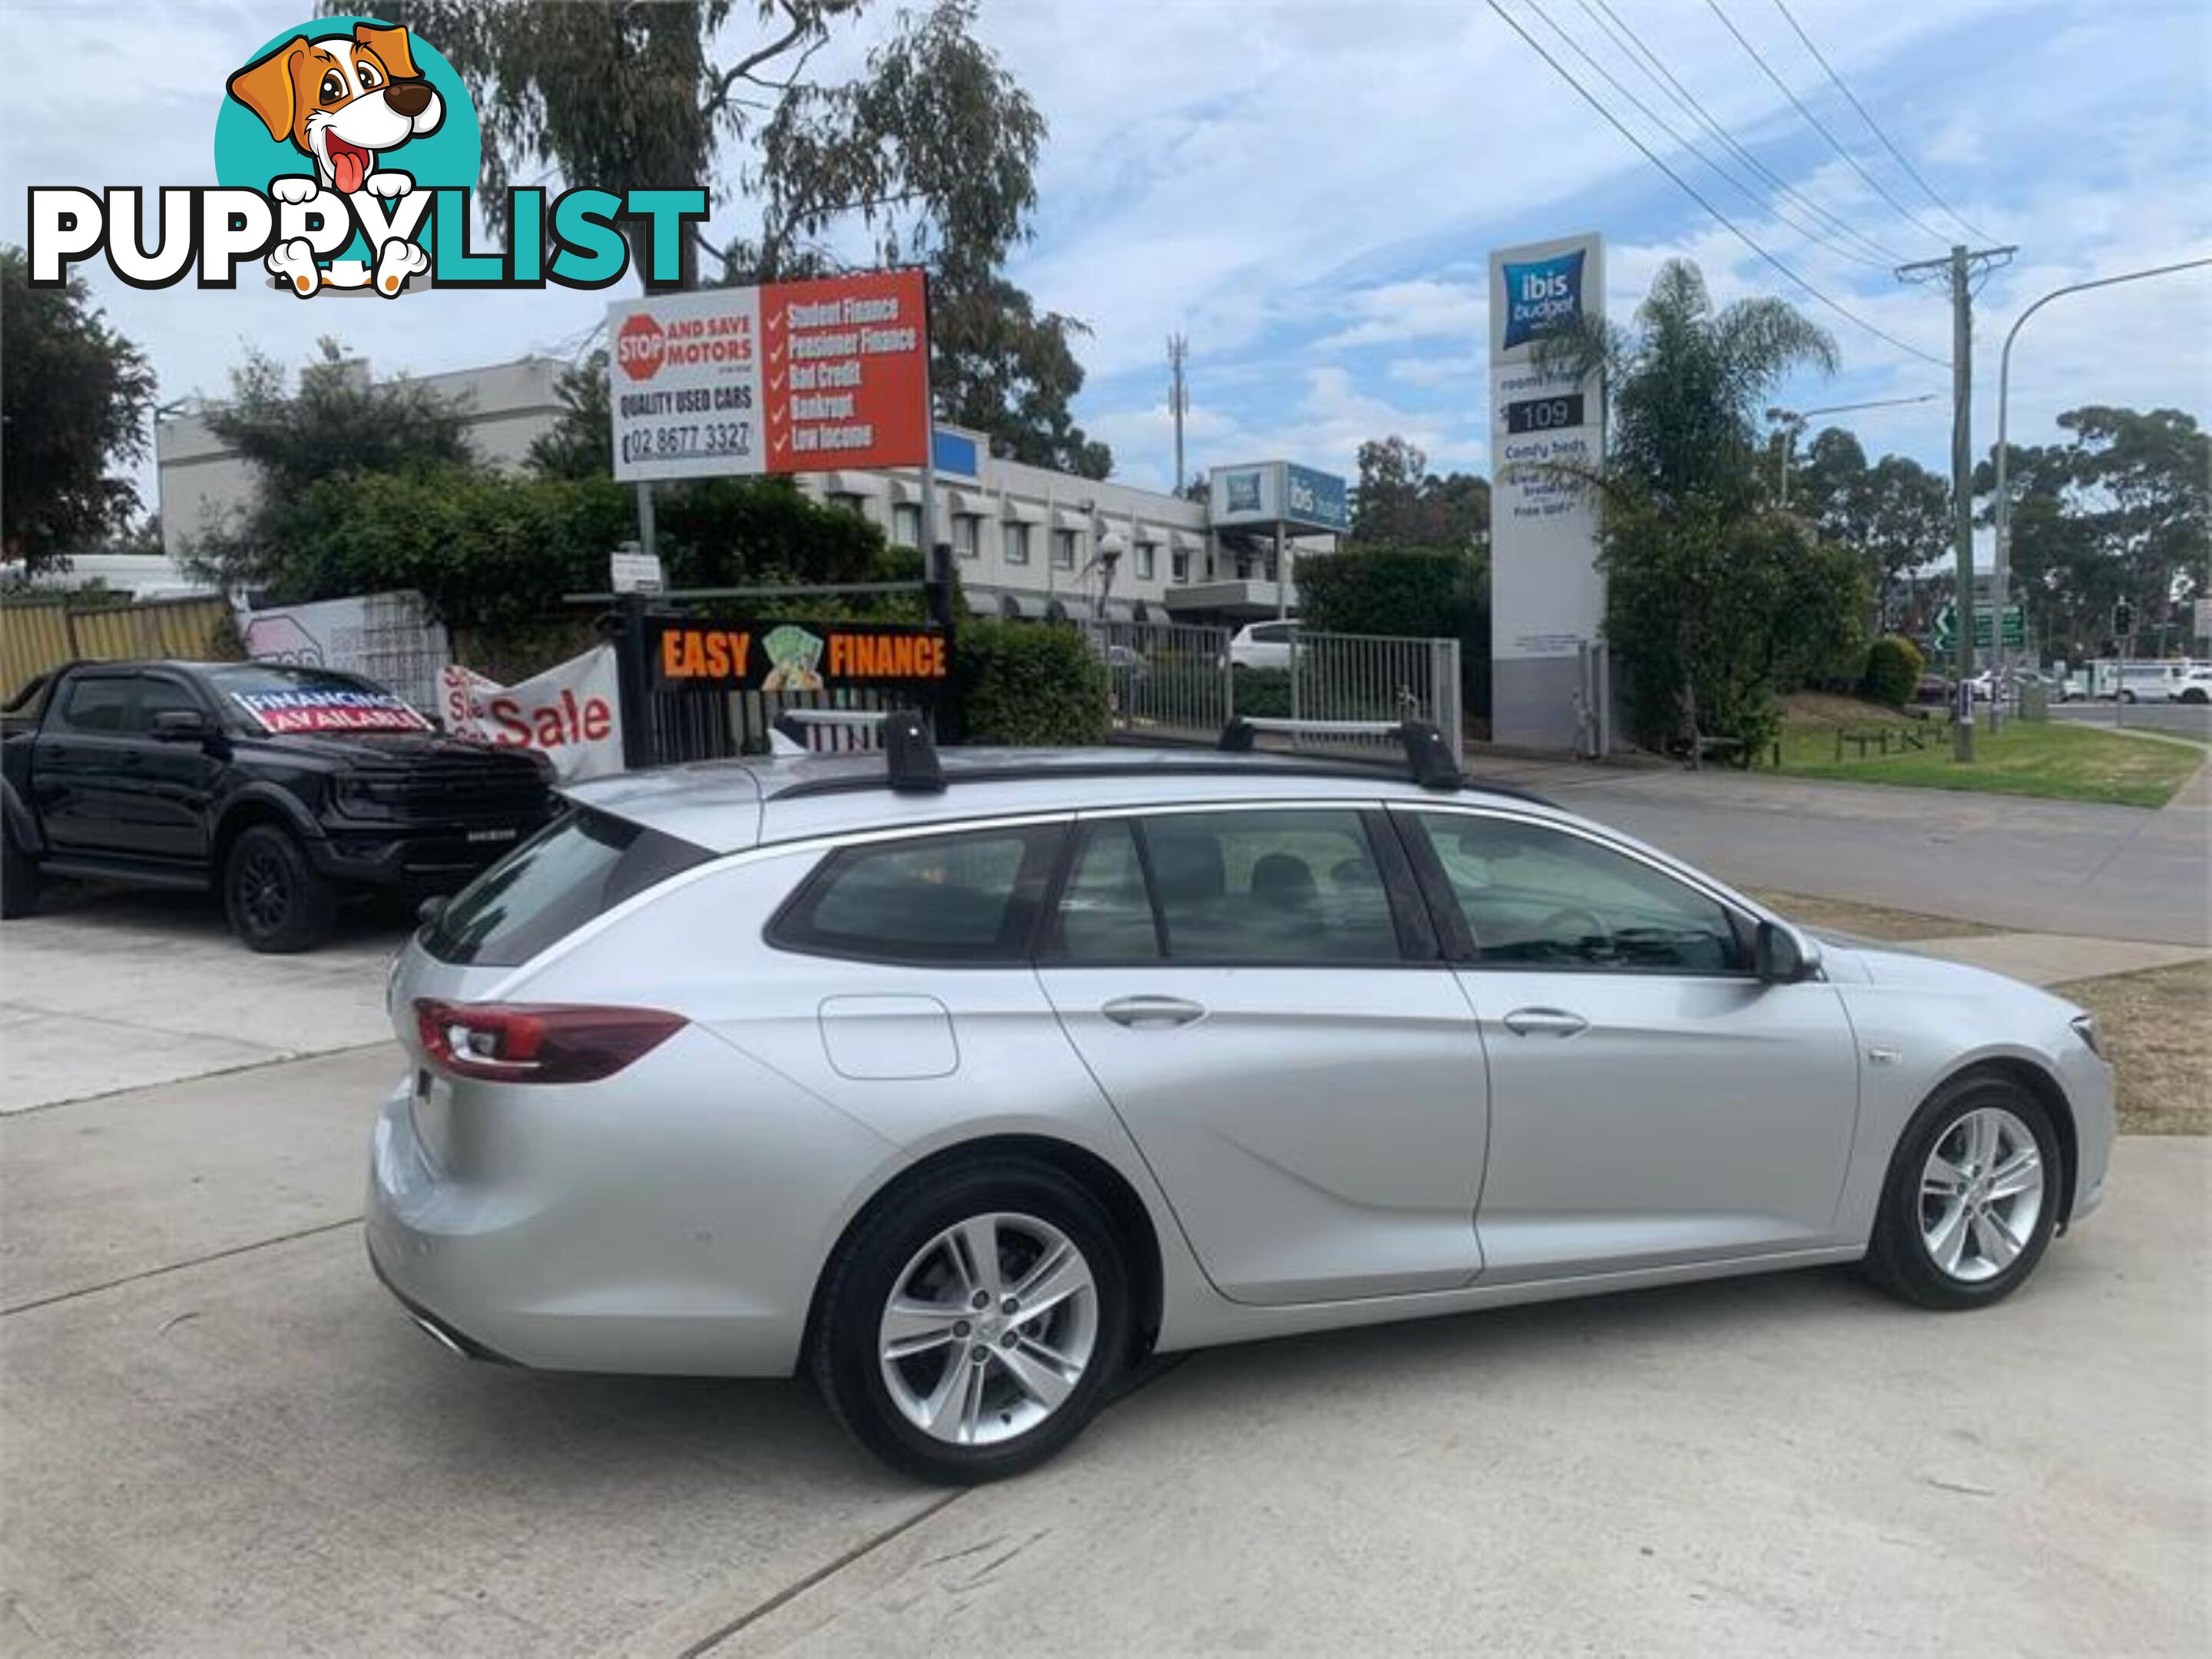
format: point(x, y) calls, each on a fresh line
point(1547, 595)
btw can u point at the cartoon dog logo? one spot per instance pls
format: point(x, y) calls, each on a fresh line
point(345, 101)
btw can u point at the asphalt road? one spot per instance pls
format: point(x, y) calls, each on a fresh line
point(2045, 866)
point(2185, 719)
point(222, 1438)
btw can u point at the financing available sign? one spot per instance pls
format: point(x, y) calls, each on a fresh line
point(328, 708)
point(785, 377)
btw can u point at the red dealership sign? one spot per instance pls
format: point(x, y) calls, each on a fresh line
point(787, 377)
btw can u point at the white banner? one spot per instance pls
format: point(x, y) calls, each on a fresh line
point(571, 714)
point(385, 637)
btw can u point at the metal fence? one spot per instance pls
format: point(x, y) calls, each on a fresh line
point(1165, 682)
point(1170, 683)
point(693, 725)
point(39, 633)
point(1371, 676)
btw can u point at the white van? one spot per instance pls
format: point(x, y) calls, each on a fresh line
point(2147, 682)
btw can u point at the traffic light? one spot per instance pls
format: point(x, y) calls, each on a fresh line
point(2123, 620)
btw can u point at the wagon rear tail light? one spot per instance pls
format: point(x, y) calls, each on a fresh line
point(537, 1043)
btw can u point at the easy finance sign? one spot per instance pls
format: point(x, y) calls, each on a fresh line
point(787, 377)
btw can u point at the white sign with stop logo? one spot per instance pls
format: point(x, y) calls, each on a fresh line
point(685, 384)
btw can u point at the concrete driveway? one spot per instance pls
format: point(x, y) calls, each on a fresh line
point(221, 1438)
point(106, 989)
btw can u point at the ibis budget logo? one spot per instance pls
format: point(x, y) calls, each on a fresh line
point(346, 153)
point(1541, 294)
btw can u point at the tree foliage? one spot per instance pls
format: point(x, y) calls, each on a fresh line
point(1895, 514)
point(929, 155)
point(363, 488)
point(1401, 501)
point(2121, 509)
point(334, 423)
point(1688, 381)
point(1715, 602)
point(74, 399)
point(1893, 666)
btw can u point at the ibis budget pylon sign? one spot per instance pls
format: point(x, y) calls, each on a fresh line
point(1547, 595)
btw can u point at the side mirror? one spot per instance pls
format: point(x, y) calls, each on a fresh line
point(1780, 955)
point(182, 726)
point(431, 908)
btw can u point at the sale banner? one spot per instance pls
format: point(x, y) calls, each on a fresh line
point(571, 714)
point(787, 377)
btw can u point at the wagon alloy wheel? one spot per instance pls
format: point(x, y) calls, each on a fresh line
point(1981, 1194)
point(1974, 1192)
point(988, 1330)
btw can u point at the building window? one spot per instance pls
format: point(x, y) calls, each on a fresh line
point(1017, 542)
point(906, 523)
point(1179, 565)
point(1063, 550)
point(965, 541)
point(1145, 552)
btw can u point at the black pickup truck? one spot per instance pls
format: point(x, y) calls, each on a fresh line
point(282, 789)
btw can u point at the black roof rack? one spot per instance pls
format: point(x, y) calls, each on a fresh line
point(913, 766)
point(1433, 763)
point(910, 756)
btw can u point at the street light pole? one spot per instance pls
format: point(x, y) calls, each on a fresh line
point(2001, 564)
point(1793, 421)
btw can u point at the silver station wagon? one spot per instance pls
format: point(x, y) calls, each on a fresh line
point(963, 1082)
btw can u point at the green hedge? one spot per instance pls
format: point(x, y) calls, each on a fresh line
point(1406, 592)
point(1893, 666)
point(1029, 684)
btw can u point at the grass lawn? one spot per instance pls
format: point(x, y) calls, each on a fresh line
point(2156, 1028)
point(2065, 763)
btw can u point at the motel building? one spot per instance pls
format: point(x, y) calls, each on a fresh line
point(1027, 541)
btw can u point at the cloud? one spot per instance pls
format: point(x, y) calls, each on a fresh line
point(1310, 193)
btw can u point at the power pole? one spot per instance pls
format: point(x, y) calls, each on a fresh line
point(1178, 396)
point(1959, 271)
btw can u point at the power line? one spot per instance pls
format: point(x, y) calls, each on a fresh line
point(1896, 154)
point(1688, 102)
point(1834, 142)
point(1695, 195)
point(1750, 192)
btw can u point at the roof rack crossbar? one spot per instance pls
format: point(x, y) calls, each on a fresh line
point(910, 755)
point(1431, 761)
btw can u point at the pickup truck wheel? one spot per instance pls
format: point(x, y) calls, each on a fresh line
point(18, 878)
point(278, 902)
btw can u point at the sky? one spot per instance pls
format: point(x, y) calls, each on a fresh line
point(1309, 191)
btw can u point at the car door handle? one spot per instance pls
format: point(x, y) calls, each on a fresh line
point(1139, 1012)
point(1548, 1022)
